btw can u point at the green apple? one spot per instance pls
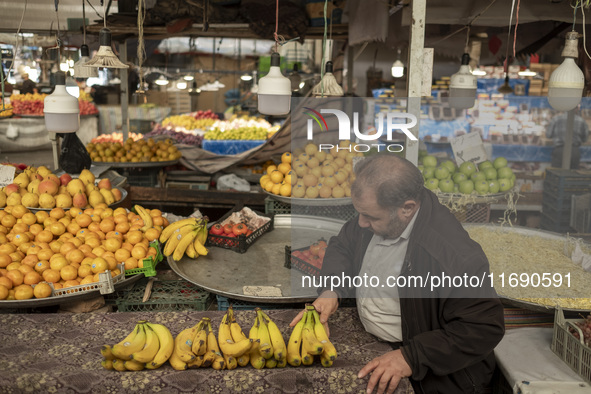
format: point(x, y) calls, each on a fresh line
point(500, 162)
point(446, 186)
point(493, 186)
point(422, 153)
point(441, 172)
point(458, 177)
point(484, 165)
point(478, 176)
point(504, 172)
point(466, 187)
point(429, 172)
point(481, 187)
point(456, 188)
point(504, 184)
point(430, 161)
point(432, 184)
point(450, 165)
point(490, 173)
point(467, 168)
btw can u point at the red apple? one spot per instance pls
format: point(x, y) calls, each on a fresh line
point(65, 179)
point(105, 183)
point(9, 189)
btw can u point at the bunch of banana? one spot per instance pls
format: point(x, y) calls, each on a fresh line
point(268, 348)
point(309, 339)
point(146, 217)
point(197, 347)
point(234, 344)
point(148, 346)
point(185, 236)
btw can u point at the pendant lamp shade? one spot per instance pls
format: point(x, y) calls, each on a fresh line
point(462, 88)
point(84, 72)
point(61, 110)
point(567, 81)
point(274, 90)
point(105, 56)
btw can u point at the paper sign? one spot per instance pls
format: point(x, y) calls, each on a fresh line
point(468, 147)
point(262, 291)
point(6, 175)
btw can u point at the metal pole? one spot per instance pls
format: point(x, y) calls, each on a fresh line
point(350, 54)
point(124, 92)
point(415, 77)
point(568, 140)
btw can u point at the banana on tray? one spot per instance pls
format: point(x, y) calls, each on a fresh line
point(186, 236)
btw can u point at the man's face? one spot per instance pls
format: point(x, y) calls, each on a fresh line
point(379, 220)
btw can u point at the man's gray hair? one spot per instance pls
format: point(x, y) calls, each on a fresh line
point(393, 179)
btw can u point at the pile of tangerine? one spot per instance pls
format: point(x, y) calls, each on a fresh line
point(69, 247)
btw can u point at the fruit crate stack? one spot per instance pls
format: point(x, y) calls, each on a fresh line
point(559, 187)
point(166, 296)
point(571, 343)
point(342, 212)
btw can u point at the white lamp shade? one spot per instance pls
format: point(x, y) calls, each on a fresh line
point(565, 87)
point(397, 69)
point(161, 81)
point(80, 71)
point(274, 91)
point(462, 88)
point(62, 111)
point(188, 77)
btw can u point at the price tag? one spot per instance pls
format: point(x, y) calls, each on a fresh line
point(6, 175)
point(468, 147)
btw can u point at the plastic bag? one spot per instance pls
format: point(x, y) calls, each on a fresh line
point(231, 181)
point(73, 156)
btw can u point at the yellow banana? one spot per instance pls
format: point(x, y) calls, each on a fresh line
point(177, 363)
point(167, 232)
point(202, 236)
point(118, 365)
point(228, 346)
point(295, 343)
point(266, 347)
point(329, 350)
point(199, 248)
point(196, 363)
point(149, 351)
point(307, 359)
point(199, 346)
point(180, 249)
point(279, 349)
point(107, 364)
point(190, 252)
point(106, 352)
point(271, 363)
point(310, 343)
point(218, 362)
point(235, 329)
point(145, 215)
point(231, 362)
point(125, 349)
point(174, 240)
point(282, 363)
point(132, 365)
point(244, 359)
point(166, 345)
point(183, 344)
point(325, 360)
point(256, 359)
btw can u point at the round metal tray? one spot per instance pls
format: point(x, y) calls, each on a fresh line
point(114, 205)
point(225, 272)
point(36, 303)
point(529, 232)
point(312, 202)
point(139, 164)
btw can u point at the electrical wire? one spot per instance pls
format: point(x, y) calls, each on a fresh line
point(584, 35)
point(506, 62)
point(516, 24)
point(323, 51)
point(14, 53)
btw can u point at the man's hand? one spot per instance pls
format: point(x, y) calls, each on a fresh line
point(326, 305)
point(388, 369)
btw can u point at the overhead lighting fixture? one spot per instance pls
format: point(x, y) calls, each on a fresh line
point(328, 85)
point(194, 91)
point(478, 72)
point(72, 87)
point(84, 72)
point(527, 73)
point(506, 88)
point(218, 85)
point(181, 85)
point(274, 90)
point(105, 56)
point(398, 67)
point(61, 109)
point(208, 87)
point(64, 67)
point(246, 77)
point(462, 87)
point(161, 81)
point(566, 84)
point(188, 77)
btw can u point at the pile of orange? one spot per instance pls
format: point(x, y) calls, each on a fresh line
point(69, 247)
point(278, 178)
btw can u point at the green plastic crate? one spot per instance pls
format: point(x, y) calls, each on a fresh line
point(166, 296)
point(150, 264)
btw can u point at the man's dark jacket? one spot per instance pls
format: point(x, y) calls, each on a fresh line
point(448, 335)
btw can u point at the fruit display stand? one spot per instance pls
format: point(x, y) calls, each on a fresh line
point(64, 356)
point(227, 273)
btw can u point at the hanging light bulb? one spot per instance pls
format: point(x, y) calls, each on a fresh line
point(462, 88)
point(246, 77)
point(161, 81)
point(181, 85)
point(527, 73)
point(84, 72)
point(194, 91)
point(61, 110)
point(328, 85)
point(64, 66)
point(398, 67)
point(567, 81)
point(72, 87)
point(188, 77)
point(105, 56)
point(274, 90)
point(478, 72)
